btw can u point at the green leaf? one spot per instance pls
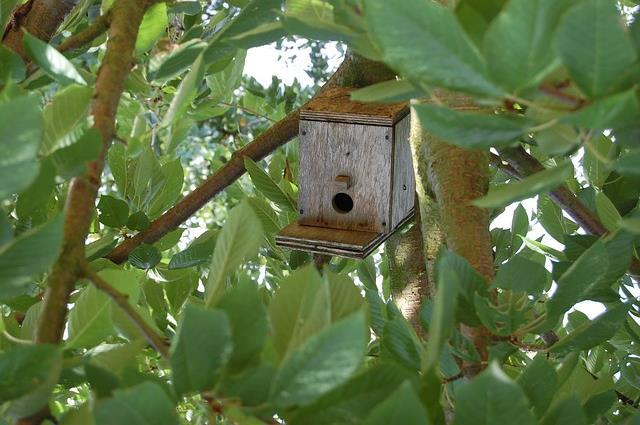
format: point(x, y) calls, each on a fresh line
point(200, 349)
point(539, 381)
point(51, 61)
point(541, 182)
point(265, 213)
point(592, 333)
point(552, 220)
point(6, 9)
point(63, 115)
point(322, 363)
point(608, 213)
point(238, 241)
point(400, 343)
point(593, 44)
point(520, 274)
point(344, 295)
point(517, 43)
point(171, 188)
point(566, 412)
point(142, 404)
point(446, 56)
point(28, 255)
point(631, 225)
point(616, 111)
point(28, 374)
point(89, 319)
point(72, 160)
point(198, 253)
point(153, 26)
point(587, 270)
point(403, 407)
point(11, 65)
point(37, 195)
point(386, 92)
point(20, 133)
point(186, 92)
point(443, 311)
point(629, 163)
point(471, 130)
point(492, 398)
point(265, 184)
point(172, 64)
point(595, 160)
point(145, 257)
point(248, 319)
point(114, 212)
point(299, 309)
point(138, 221)
point(352, 401)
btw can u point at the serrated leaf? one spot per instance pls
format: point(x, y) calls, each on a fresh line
point(28, 255)
point(517, 42)
point(145, 257)
point(152, 27)
point(198, 253)
point(89, 319)
point(142, 404)
point(592, 43)
point(322, 363)
point(528, 187)
point(592, 333)
point(20, 133)
point(470, 130)
point(446, 58)
point(66, 112)
point(387, 91)
point(492, 398)
point(265, 184)
point(200, 349)
point(28, 374)
point(186, 92)
point(51, 61)
point(238, 241)
point(539, 382)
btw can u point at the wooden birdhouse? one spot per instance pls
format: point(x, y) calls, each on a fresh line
point(356, 181)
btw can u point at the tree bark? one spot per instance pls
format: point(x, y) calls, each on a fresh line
point(80, 204)
point(40, 18)
point(457, 177)
point(410, 284)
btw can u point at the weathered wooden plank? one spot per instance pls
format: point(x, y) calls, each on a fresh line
point(364, 154)
point(321, 240)
point(336, 105)
point(404, 185)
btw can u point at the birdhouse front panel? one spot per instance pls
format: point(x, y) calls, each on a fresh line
point(346, 183)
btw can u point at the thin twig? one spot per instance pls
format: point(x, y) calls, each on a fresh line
point(248, 110)
point(88, 34)
point(122, 300)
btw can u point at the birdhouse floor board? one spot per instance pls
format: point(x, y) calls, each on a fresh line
point(321, 240)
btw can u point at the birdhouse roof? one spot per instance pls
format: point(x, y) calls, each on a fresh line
point(335, 105)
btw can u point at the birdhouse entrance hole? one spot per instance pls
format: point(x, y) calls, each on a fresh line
point(342, 203)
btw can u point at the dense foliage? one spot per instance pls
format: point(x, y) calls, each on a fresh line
point(213, 323)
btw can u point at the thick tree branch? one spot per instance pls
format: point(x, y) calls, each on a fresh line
point(457, 177)
point(80, 204)
point(40, 18)
point(525, 165)
point(353, 72)
point(153, 338)
point(410, 284)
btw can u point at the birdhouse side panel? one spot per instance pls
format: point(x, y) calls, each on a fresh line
point(345, 176)
point(404, 185)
